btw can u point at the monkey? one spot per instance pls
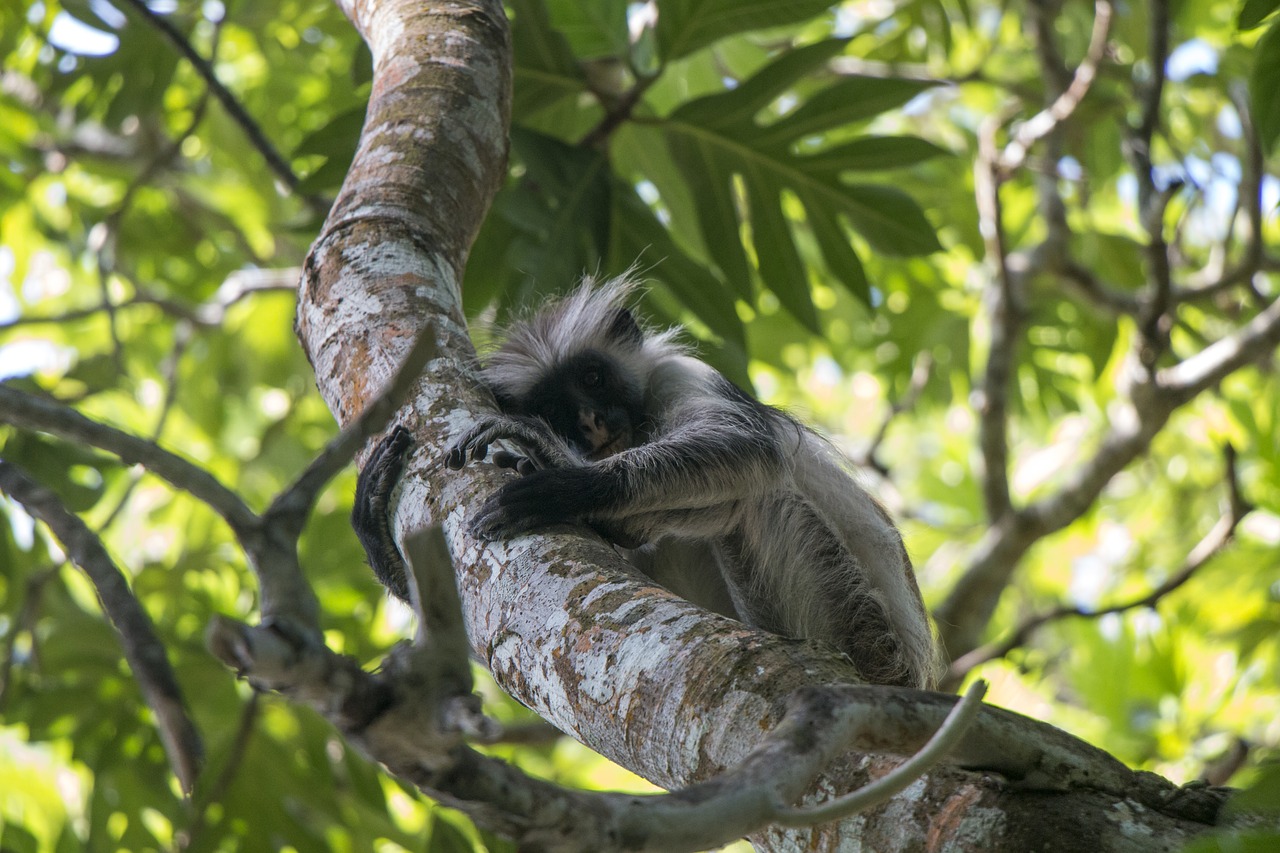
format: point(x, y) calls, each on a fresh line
point(727, 501)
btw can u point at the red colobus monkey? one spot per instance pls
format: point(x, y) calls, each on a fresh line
point(722, 499)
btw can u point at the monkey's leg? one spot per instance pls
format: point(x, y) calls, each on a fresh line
point(369, 514)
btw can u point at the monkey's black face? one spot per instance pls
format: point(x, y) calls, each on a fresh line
point(591, 402)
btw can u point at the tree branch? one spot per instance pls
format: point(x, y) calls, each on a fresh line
point(271, 549)
point(1004, 320)
point(142, 648)
point(23, 622)
point(920, 371)
point(238, 114)
point(237, 286)
point(946, 739)
point(292, 506)
point(1252, 342)
point(1208, 547)
point(1047, 120)
point(31, 412)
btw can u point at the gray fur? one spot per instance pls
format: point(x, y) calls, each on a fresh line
point(732, 503)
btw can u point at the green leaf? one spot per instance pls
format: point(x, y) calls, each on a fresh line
point(546, 70)
point(889, 218)
point(555, 219)
point(337, 138)
point(593, 29)
point(686, 25)
point(1254, 12)
point(1264, 87)
point(716, 138)
point(637, 235)
point(711, 184)
point(446, 837)
point(838, 252)
point(737, 107)
point(846, 102)
point(872, 154)
point(776, 253)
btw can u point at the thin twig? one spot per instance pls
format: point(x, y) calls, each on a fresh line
point(31, 412)
point(23, 623)
point(142, 647)
point(1209, 546)
point(1044, 122)
point(1249, 200)
point(292, 505)
point(216, 791)
point(953, 728)
point(209, 314)
point(238, 114)
point(169, 371)
point(920, 372)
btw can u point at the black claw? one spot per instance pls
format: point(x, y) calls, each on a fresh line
point(506, 459)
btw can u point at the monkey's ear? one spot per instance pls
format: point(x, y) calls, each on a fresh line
point(624, 328)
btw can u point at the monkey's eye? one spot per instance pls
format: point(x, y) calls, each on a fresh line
point(591, 378)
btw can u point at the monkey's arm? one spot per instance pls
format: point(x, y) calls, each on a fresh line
point(690, 473)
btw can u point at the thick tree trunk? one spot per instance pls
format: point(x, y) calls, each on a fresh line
point(654, 683)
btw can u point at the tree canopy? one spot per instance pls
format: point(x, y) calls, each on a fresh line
point(1015, 261)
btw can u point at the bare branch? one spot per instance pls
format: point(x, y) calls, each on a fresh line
point(23, 622)
point(1208, 547)
point(1252, 342)
point(142, 648)
point(1004, 320)
point(237, 112)
point(190, 835)
point(920, 371)
point(292, 506)
point(170, 372)
point(1044, 122)
point(31, 412)
point(271, 549)
point(441, 648)
point(1088, 285)
point(391, 719)
point(1249, 200)
point(956, 725)
point(209, 314)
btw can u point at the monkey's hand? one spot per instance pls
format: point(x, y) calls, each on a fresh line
point(543, 449)
point(540, 499)
point(369, 513)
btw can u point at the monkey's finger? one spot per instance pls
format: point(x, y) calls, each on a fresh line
point(514, 461)
point(456, 457)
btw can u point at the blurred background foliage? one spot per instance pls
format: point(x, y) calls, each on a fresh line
point(796, 182)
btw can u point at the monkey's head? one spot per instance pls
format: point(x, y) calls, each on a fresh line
point(582, 364)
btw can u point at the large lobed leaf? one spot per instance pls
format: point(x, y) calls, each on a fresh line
point(741, 171)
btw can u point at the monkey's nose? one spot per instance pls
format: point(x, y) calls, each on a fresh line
point(593, 428)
